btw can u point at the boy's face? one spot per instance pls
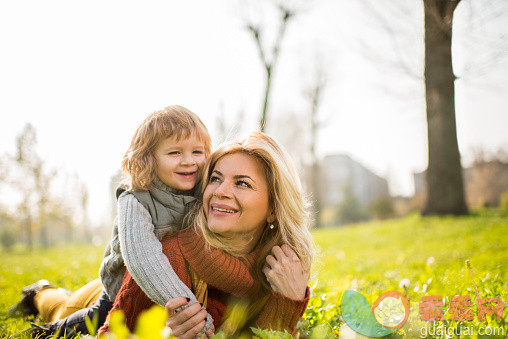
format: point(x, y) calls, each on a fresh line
point(180, 163)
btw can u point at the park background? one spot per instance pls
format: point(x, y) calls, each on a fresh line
point(77, 80)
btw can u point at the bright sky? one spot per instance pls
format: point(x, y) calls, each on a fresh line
point(86, 74)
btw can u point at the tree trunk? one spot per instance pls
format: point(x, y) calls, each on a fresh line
point(445, 189)
point(28, 231)
point(262, 124)
point(315, 95)
point(42, 220)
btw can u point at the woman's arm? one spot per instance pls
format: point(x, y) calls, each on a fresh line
point(289, 297)
point(144, 257)
point(282, 313)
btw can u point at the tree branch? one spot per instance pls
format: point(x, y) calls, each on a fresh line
point(256, 33)
point(286, 15)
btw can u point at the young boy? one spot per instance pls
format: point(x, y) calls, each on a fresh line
point(162, 171)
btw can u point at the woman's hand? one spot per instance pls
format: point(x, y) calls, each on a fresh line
point(286, 273)
point(188, 322)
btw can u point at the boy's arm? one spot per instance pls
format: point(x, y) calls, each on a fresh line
point(143, 256)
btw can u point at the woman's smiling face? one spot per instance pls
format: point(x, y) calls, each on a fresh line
point(236, 199)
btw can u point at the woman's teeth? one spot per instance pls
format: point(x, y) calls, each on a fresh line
point(222, 210)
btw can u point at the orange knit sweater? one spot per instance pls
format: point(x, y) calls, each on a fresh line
point(226, 277)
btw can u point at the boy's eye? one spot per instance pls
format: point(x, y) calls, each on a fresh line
point(243, 184)
point(174, 153)
point(198, 152)
point(214, 179)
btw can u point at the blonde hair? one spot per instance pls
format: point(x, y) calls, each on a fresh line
point(139, 163)
point(286, 200)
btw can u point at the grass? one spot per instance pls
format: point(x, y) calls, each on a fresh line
point(426, 254)
point(429, 252)
point(69, 267)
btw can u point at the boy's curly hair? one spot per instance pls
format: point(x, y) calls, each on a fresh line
point(138, 163)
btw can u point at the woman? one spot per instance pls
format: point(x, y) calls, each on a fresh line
point(249, 242)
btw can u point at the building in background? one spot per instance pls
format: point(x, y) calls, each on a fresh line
point(349, 190)
point(340, 171)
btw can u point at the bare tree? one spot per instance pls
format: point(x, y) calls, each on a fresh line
point(83, 197)
point(33, 182)
point(60, 215)
point(270, 61)
point(40, 212)
point(445, 188)
point(27, 160)
point(42, 182)
point(302, 127)
point(315, 95)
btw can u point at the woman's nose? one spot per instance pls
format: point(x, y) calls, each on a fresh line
point(223, 190)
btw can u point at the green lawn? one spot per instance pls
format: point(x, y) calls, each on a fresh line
point(69, 267)
point(430, 252)
point(371, 257)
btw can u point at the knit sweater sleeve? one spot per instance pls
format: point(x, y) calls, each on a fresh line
point(131, 299)
point(282, 313)
point(143, 256)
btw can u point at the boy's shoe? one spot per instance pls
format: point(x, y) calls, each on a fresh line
point(50, 331)
point(40, 331)
point(26, 306)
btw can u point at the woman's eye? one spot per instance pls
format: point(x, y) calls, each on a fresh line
point(243, 184)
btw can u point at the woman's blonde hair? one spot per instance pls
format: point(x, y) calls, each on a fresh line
point(286, 200)
point(139, 163)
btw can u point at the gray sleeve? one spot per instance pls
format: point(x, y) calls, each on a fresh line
point(143, 257)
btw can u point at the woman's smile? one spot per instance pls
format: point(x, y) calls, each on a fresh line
point(220, 209)
point(236, 199)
